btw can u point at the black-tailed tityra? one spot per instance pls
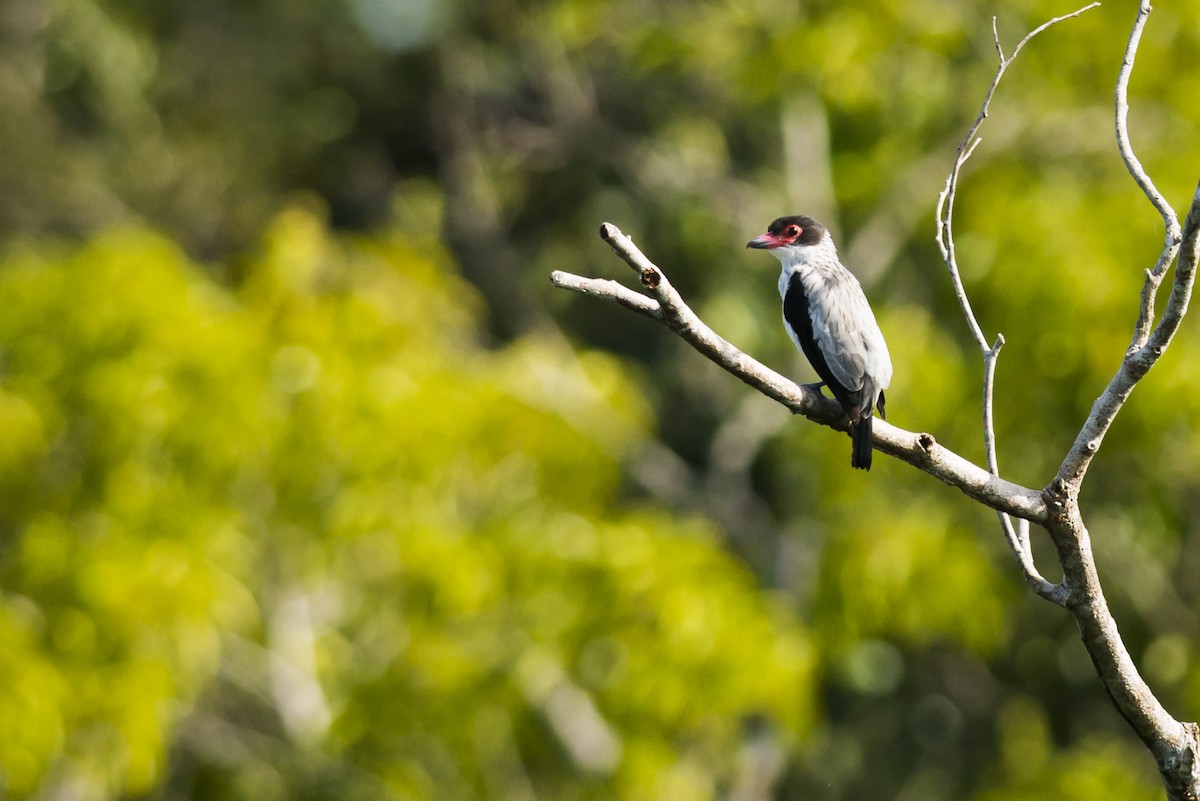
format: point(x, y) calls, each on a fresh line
point(827, 315)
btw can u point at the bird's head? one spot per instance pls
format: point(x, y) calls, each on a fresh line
point(790, 232)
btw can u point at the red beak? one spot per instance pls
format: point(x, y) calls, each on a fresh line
point(766, 241)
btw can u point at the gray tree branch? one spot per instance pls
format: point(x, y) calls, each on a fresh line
point(918, 449)
point(1149, 341)
point(1174, 745)
point(1018, 540)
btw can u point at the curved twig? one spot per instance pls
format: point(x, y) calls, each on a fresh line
point(1132, 163)
point(945, 241)
point(1149, 341)
point(1154, 275)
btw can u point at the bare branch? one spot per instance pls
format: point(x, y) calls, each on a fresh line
point(945, 207)
point(1018, 542)
point(1149, 341)
point(1047, 24)
point(945, 240)
point(1018, 539)
point(1172, 743)
point(608, 290)
point(1175, 745)
point(989, 381)
point(1130, 158)
point(1181, 290)
point(918, 449)
point(1154, 276)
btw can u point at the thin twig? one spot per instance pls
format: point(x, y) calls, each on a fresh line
point(1154, 276)
point(945, 235)
point(1130, 158)
point(1149, 341)
point(989, 428)
point(1018, 542)
point(945, 206)
point(1017, 538)
point(610, 290)
point(945, 240)
point(1174, 745)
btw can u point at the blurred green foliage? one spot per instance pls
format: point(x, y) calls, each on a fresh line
point(312, 487)
point(313, 536)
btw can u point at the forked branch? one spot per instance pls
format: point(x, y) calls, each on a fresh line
point(1017, 537)
point(1174, 745)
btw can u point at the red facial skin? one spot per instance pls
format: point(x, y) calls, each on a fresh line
point(770, 241)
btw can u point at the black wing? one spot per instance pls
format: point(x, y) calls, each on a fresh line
point(797, 315)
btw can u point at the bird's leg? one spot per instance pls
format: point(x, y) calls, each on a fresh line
point(817, 386)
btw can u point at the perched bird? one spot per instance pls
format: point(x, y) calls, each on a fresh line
point(827, 315)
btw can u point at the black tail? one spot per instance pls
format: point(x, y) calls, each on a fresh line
point(860, 434)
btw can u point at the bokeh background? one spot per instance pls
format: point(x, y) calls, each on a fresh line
point(312, 487)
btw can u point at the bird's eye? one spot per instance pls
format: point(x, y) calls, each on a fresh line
point(791, 232)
